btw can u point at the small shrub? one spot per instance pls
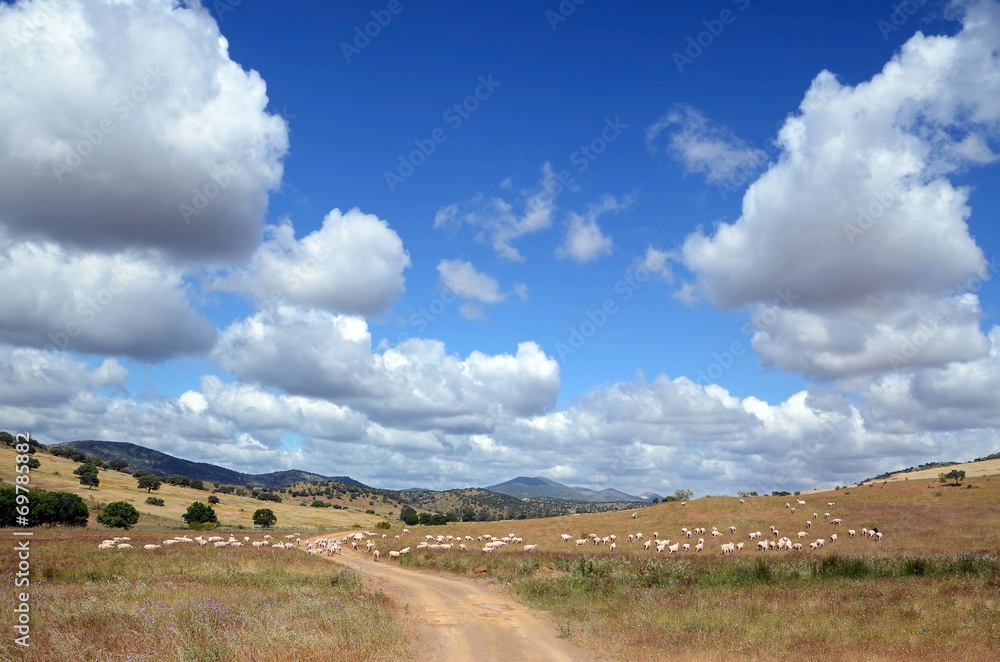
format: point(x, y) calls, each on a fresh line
point(154, 501)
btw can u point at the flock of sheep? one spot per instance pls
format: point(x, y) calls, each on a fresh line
point(333, 546)
point(122, 542)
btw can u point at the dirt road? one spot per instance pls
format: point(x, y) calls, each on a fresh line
point(462, 620)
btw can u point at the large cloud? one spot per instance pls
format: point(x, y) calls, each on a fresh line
point(118, 114)
point(353, 264)
point(124, 304)
point(414, 385)
point(856, 231)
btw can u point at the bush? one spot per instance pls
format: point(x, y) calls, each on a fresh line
point(200, 513)
point(269, 496)
point(119, 515)
point(408, 516)
point(88, 475)
point(319, 504)
point(369, 512)
point(153, 501)
point(58, 508)
point(383, 525)
point(213, 499)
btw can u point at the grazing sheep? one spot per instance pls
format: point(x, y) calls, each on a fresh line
point(635, 515)
point(393, 554)
point(631, 538)
point(831, 504)
point(534, 548)
point(802, 534)
point(405, 531)
point(826, 515)
point(612, 548)
point(674, 548)
point(815, 516)
point(686, 547)
point(813, 546)
point(732, 529)
point(581, 542)
point(151, 546)
point(793, 510)
point(740, 545)
point(741, 501)
point(700, 546)
point(850, 533)
point(808, 523)
point(800, 502)
point(638, 536)
point(124, 545)
point(375, 556)
point(797, 547)
point(878, 536)
point(762, 546)
point(647, 544)
point(223, 543)
point(567, 537)
point(833, 537)
point(788, 505)
point(836, 521)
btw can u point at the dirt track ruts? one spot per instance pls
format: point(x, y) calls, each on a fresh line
point(461, 620)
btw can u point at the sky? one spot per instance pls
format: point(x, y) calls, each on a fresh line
point(715, 246)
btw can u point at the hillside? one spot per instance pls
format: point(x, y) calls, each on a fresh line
point(981, 466)
point(535, 487)
point(161, 464)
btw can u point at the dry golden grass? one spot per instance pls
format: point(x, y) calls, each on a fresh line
point(56, 474)
point(195, 603)
point(930, 588)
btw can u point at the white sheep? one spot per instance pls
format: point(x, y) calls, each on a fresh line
point(375, 556)
point(393, 554)
point(809, 523)
point(567, 537)
point(878, 536)
point(700, 546)
point(612, 548)
point(124, 545)
point(740, 545)
point(800, 502)
point(580, 542)
point(833, 537)
point(850, 533)
point(686, 547)
point(802, 534)
point(836, 521)
point(534, 548)
point(647, 544)
point(151, 546)
point(674, 548)
point(793, 510)
point(732, 529)
point(741, 501)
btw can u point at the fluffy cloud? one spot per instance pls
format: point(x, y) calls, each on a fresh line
point(857, 224)
point(584, 240)
point(415, 385)
point(123, 304)
point(117, 114)
point(353, 264)
point(463, 279)
point(496, 220)
point(704, 146)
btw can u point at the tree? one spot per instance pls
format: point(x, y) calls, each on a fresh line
point(683, 495)
point(200, 513)
point(656, 500)
point(119, 515)
point(264, 518)
point(149, 482)
point(198, 485)
point(88, 475)
point(408, 516)
point(957, 475)
point(180, 481)
point(117, 465)
point(33, 463)
point(213, 499)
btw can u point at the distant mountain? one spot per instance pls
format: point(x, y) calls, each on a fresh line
point(530, 488)
point(415, 489)
point(650, 495)
point(161, 464)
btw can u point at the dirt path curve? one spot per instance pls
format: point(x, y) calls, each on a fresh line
point(461, 620)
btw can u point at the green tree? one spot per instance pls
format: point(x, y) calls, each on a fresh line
point(683, 495)
point(149, 482)
point(264, 518)
point(119, 515)
point(180, 481)
point(200, 513)
point(957, 475)
point(213, 499)
point(88, 475)
point(59, 508)
point(198, 485)
point(117, 465)
point(33, 463)
point(408, 516)
point(153, 501)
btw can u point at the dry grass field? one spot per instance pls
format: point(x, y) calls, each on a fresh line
point(56, 474)
point(192, 603)
point(930, 588)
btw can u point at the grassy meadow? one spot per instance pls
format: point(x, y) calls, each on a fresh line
point(931, 587)
point(195, 604)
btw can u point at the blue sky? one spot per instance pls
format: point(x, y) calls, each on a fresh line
point(628, 255)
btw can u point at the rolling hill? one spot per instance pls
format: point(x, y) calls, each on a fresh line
point(530, 488)
point(161, 464)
